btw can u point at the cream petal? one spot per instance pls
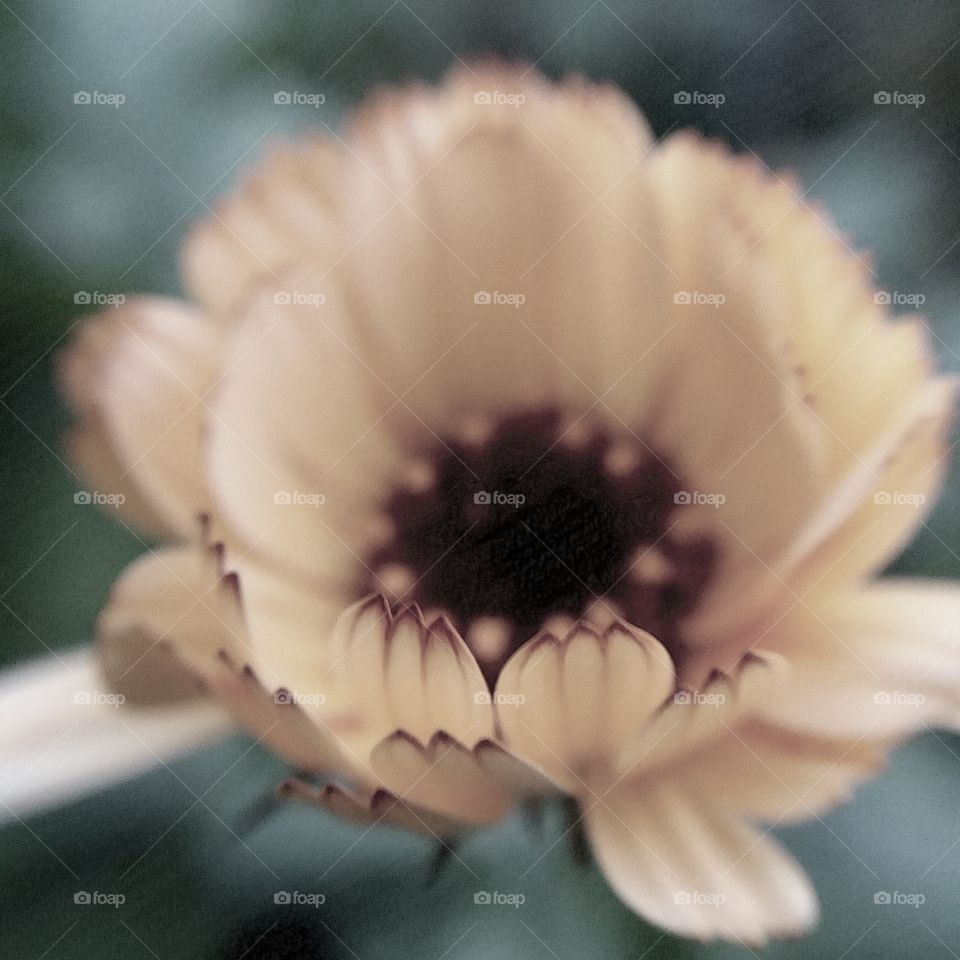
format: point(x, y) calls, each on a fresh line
point(289, 630)
point(881, 504)
point(879, 663)
point(172, 597)
point(138, 378)
point(480, 278)
point(693, 718)
point(281, 213)
point(180, 603)
point(399, 671)
point(298, 453)
point(837, 332)
point(66, 734)
point(779, 776)
point(695, 869)
point(373, 809)
point(442, 775)
point(569, 704)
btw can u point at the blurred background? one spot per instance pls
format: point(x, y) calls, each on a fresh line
point(95, 196)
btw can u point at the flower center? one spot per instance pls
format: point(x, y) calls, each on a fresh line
point(511, 524)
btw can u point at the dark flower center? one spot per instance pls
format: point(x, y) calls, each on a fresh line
point(531, 521)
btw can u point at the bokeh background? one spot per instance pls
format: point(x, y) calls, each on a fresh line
point(95, 198)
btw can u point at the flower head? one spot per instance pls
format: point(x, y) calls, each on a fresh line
point(511, 454)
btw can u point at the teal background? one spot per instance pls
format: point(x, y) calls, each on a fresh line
point(94, 198)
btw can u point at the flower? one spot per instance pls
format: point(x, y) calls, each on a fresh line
point(509, 453)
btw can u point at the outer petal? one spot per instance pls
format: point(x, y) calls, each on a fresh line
point(298, 447)
point(475, 786)
point(182, 603)
point(397, 671)
point(876, 664)
point(569, 704)
point(695, 868)
point(137, 378)
point(374, 808)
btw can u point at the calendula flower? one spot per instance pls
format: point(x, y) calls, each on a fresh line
point(510, 454)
